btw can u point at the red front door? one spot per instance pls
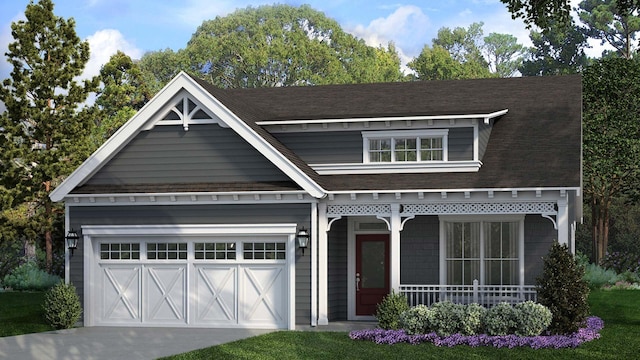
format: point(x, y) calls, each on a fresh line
point(372, 271)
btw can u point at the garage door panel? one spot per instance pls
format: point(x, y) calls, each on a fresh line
point(165, 295)
point(216, 294)
point(264, 298)
point(120, 293)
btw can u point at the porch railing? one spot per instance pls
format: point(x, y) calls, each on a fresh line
point(487, 295)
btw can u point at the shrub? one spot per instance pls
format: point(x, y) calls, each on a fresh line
point(597, 277)
point(29, 277)
point(446, 318)
point(531, 318)
point(62, 306)
point(562, 289)
point(473, 319)
point(621, 262)
point(501, 320)
point(389, 310)
point(416, 320)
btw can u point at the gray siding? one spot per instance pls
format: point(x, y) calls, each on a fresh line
point(484, 132)
point(461, 144)
point(341, 147)
point(419, 254)
point(539, 235)
point(205, 153)
point(200, 214)
point(337, 272)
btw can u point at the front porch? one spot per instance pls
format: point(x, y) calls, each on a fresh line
point(420, 263)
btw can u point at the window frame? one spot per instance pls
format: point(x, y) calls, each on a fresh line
point(483, 221)
point(392, 136)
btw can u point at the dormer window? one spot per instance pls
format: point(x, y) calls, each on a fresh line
point(405, 146)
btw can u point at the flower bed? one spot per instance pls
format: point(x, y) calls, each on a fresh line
point(592, 331)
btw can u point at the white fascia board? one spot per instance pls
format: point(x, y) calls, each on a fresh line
point(397, 167)
point(407, 191)
point(205, 229)
point(390, 118)
point(131, 128)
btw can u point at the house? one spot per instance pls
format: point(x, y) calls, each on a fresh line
point(189, 214)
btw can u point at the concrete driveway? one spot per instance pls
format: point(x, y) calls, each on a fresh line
point(97, 343)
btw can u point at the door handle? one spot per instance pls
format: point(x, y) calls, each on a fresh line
point(357, 281)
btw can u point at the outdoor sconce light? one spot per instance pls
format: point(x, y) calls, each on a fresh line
point(72, 240)
point(303, 239)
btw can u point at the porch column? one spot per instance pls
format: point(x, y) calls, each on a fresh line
point(323, 266)
point(395, 247)
point(563, 221)
point(314, 264)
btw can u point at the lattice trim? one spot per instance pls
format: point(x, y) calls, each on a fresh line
point(481, 208)
point(367, 209)
point(450, 208)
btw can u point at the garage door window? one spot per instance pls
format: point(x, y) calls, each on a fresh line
point(265, 251)
point(215, 251)
point(120, 251)
point(167, 251)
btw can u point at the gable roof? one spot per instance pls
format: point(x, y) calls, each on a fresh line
point(288, 162)
point(536, 144)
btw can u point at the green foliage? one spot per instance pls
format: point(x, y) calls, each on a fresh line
point(611, 140)
point(29, 276)
point(43, 130)
point(501, 319)
point(531, 318)
point(415, 320)
point(609, 23)
point(557, 51)
point(597, 277)
point(503, 54)
point(62, 306)
point(541, 13)
point(473, 319)
point(282, 45)
point(388, 311)
point(446, 318)
point(563, 290)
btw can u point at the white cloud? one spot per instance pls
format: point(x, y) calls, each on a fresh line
point(404, 26)
point(103, 44)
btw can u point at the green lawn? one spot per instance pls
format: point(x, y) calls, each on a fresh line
point(21, 313)
point(620, 340)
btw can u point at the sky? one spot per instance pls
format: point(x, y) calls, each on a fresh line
point(139, 26)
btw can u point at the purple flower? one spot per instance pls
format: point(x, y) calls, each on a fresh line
point(591, 332)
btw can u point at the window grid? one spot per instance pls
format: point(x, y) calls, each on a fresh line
point(264, 251)
point(402, 148)
point(167, 251)
point(119, 251)
point(215, 251)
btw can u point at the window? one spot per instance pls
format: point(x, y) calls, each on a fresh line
point(215, 251)
point(120, 251)
point(405, 146)
point(487, 251)
point(264, 251)
point(167, 251)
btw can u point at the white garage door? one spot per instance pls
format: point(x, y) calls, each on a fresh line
point(191, 281)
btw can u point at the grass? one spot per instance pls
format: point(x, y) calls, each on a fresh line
point(620, 339)
point(21, 313)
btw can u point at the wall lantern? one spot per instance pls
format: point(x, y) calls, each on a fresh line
point(303, 239)
point(72, 240)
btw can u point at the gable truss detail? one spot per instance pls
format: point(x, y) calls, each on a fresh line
point(186, 111)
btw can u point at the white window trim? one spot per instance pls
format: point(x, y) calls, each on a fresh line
point(406, 134)
point(482, 219)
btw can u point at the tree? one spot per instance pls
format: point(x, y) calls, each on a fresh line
point(464, 45)
point(123, 92)
point(437, 64)
point(611, 121)
point(43, 129)
point(559, 50)
point(503, 54)
point(561, 287)
point(282, 45)
point(612, 25)
point(159, 67)
point(541, 13)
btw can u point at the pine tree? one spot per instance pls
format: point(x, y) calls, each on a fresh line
point(44, 128)
point(563, 290)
